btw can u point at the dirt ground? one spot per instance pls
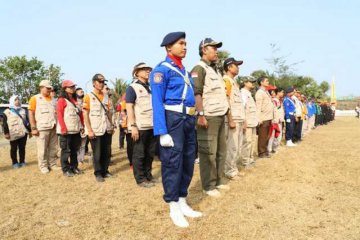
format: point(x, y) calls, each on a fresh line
point(308, 192)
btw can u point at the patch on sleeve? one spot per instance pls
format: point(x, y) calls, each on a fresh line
point(158, 77)
point(194, 74)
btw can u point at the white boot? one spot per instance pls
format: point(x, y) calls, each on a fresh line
point(187, 210)
point(289, 143)
point(177, 216)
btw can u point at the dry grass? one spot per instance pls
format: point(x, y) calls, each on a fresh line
point(308, 192)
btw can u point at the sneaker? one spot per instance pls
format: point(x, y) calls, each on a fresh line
point(187, 210)
point(177, 216)
point(99, 179)
point(107, 175)
point(146, 184)
point(44, 170)
point(197, 161)
point(22, 164)
point(77, 171)
point(55, 168)
point(68, 173)
point(223, 187)
point(16, 166)
point(289, 143)
point(213, 193)
point(154, 180)
point(234, 178)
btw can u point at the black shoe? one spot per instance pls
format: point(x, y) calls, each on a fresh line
point(146, 184)
point(107, 175)
point(68, 173)
point(77, 171)
point(100, 179)
point(153, 180)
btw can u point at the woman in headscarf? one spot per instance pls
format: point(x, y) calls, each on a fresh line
point(16, 128)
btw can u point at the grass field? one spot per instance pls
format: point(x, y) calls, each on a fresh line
point(308, 192)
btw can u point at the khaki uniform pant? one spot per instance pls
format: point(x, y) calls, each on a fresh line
point(249, 146)
point(234, 142)
point(47, 144)
point(212, 152)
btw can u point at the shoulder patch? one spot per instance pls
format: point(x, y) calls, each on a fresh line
point(158, 77)
point(194, 74)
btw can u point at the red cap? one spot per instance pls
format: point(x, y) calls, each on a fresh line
point(270, 87)
point(67, 83)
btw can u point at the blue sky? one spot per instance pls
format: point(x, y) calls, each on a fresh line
point(110, 37)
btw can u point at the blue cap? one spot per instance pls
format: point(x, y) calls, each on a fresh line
point(289, 90)
point(172, 37)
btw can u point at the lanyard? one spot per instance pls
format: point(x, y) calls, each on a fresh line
point(185, 77)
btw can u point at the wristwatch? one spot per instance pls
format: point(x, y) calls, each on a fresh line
point(133, 125)
point(33, 128)
point(201, 113)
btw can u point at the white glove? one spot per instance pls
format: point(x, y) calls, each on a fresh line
point(166, 141)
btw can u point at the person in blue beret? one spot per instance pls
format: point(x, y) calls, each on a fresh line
point(173, 104)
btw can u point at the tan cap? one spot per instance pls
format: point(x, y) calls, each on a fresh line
point(139, 66)
point(45, 83)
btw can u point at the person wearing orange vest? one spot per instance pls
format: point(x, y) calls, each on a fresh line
point(16, 128)
point(140, 116)
point(70, 124)
point(42, 115)
point(98, 127)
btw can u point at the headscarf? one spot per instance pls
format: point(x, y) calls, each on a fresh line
point(12, 102)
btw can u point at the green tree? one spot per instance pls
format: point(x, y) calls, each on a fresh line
point(324, 86)
point(21, 76)
point(120, 86)
point(222, 55)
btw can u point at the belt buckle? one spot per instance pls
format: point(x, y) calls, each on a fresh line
point(191, 111)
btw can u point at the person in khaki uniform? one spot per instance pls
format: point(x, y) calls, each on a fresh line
point(212, 106)
point(265, 114)
point(140, 114)
point(235, 125)
point(42, 116)
point(249, 138)
point(98, 127)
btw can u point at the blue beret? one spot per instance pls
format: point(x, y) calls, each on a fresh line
point(172, 37)
point(289, 90)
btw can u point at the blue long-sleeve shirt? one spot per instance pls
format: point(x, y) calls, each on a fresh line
point(167, 88)
point(289, 107)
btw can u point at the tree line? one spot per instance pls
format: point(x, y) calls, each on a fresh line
point(21, 75)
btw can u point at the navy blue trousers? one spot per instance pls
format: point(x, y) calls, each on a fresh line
point(177, 163)
point(290, 128)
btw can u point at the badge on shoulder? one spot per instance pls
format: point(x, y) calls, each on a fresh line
point(158, 77)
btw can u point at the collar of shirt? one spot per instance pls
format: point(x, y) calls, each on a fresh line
point(145, 85)
point(176, 60)
point(211, 64)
